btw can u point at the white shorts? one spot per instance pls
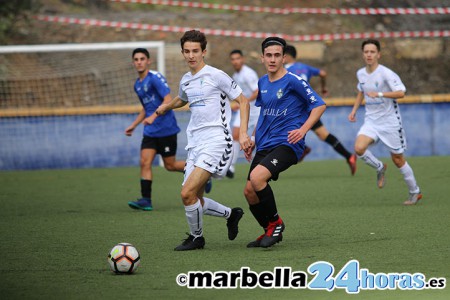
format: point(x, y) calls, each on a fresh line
point(252, 121)
point(392, 137)
point(214, 158)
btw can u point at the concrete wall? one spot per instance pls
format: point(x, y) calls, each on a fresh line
point(98, 140)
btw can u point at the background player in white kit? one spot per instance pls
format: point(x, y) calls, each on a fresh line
point(381, 87)
point(208, 91)
point(247, 79)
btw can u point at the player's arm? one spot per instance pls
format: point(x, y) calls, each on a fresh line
point(356, 105)
point(323, 82)
point(147, 121)
point(244, 139)
point(294, 136)
point(176, 102)
point(141, 116)
point(393, 95)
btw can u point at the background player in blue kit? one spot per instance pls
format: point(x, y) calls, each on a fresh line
point(160, 134)
point(306, 72)
point(289, 108)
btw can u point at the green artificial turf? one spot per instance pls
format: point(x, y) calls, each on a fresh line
point(57, 227)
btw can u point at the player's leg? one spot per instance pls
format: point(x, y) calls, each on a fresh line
point(269, 168)
point(408, 175)
point(167, 148)
point(322, 133)
point(193, 185)
point(362, 144)
point(148, 153)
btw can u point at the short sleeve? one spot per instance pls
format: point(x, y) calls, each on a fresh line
point(306, 93)
point(394, 82)
point(161, 86)
point(228, 85)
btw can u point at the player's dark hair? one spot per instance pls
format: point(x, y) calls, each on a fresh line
point(290, 50)
point(141, 50)
point(273, 40)
point(194, 36)
point(371, 41)
point(236, 51)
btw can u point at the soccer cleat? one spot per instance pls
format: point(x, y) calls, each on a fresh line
point(413, 198)
point(305, 152)
point(230, 174)
point(233, 221)
point(380, 176)
point(273, 234)
point(352, 163)
point(143, 203)
point(208, 186)
point(191, 243)
point(257, 243)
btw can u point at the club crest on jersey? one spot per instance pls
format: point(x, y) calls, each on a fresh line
point(280, 93)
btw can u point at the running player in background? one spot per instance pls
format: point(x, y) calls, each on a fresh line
point(247, 79)
point(381, 88)
point(208, 91)
point(161, 136)
point(289, 108)
point(306, 72)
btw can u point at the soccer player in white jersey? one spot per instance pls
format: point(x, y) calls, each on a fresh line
point(289, 108)
point(208, 91)
point(247, 79)
point(381, 88)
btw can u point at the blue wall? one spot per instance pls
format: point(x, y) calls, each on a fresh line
point(99, 140)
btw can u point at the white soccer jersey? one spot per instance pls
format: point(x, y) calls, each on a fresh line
point(207, 92)
point(380, 110)
point(247, 79)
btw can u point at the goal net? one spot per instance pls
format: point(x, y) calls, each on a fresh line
point(66, 106)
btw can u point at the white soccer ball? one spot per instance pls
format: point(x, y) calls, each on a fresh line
point(124, 258)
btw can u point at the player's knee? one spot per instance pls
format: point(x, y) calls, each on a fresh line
point(145, 163)
point(170, 167)
point(359, 150)
point(188, 197)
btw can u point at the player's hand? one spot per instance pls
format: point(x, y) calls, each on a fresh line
point(249, 151)
point(294, 136)
point(372, 94)
point(150, 120)
point(129, 131)
point(161, 110)
point(352, 117)
point(246, 144)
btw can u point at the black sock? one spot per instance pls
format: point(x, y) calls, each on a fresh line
point(267, 200)
point(146, 188)
point(260, 215)
point(336, 144)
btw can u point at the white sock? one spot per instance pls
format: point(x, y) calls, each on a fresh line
point(194, 216)
point(236, 149)
point(371, 160)
point(213, 208)
point(408, 176)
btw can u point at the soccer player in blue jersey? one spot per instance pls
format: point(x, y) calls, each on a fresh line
point(306, 72)
point(160, 134)
point(289, 108)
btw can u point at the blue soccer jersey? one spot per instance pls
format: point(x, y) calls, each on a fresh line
point(285, 105)
point(151, 92)
point(303, 70)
